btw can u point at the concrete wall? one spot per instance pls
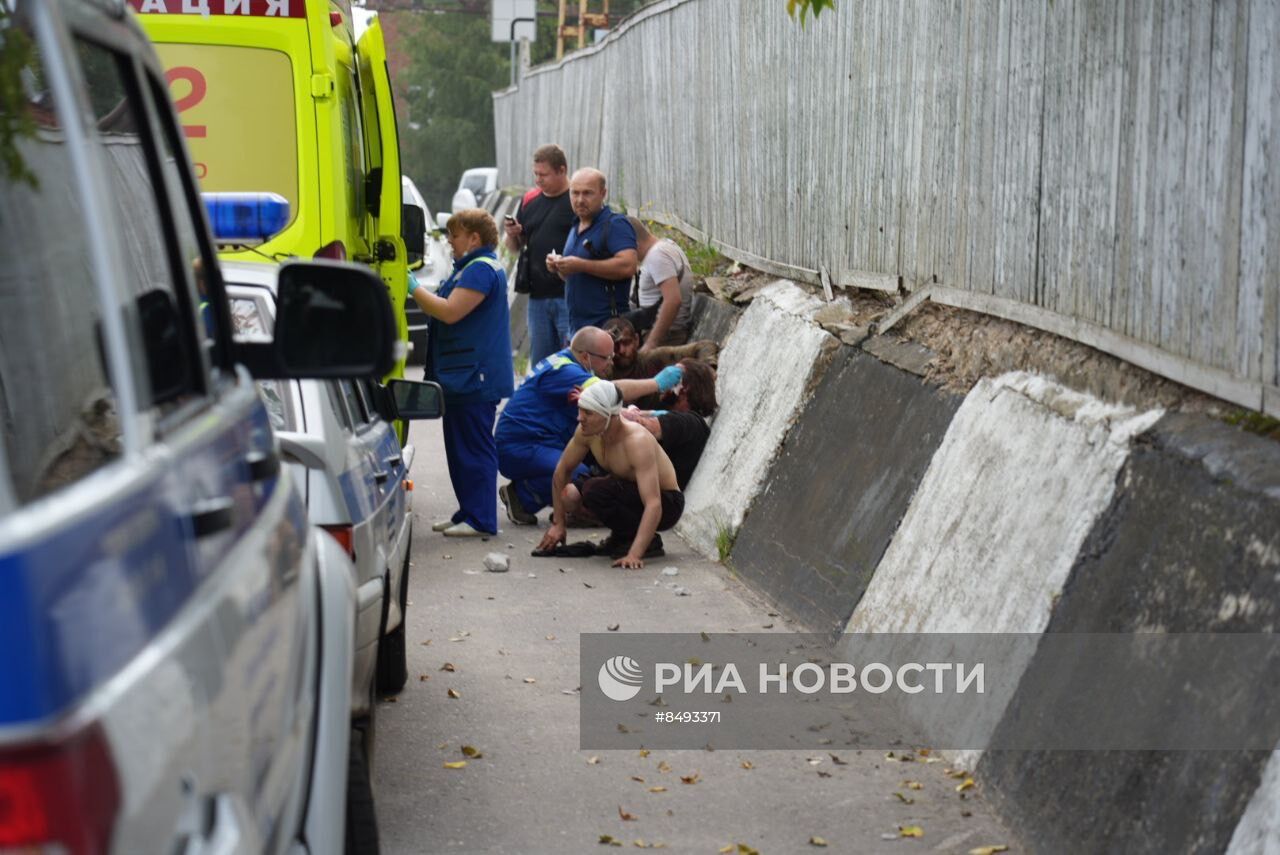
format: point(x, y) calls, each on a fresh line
point(1025, 507)
point(776, 331)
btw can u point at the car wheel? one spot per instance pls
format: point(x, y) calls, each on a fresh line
point(362, 819)
point(393, 663)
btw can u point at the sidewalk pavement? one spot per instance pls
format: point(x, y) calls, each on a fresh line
point(506, 644)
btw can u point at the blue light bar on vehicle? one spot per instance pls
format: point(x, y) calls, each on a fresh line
point(246, 217)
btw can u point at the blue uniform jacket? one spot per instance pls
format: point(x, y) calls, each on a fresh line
point(471, 359)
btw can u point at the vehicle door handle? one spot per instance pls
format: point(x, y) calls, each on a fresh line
point(263, 465)
point(381, 477)
point(394, 460)
point(211, 516)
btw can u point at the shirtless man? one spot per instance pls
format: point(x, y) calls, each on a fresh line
point(640, 497)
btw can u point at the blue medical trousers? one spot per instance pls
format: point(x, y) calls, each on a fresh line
point(530, 468)
point(548, 327)
point(473, 462)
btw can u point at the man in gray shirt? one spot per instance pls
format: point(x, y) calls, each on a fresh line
point(665, 291)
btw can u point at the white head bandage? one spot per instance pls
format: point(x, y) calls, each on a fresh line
point(601, 397)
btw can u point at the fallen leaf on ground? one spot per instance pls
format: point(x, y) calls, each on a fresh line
point(626, 817)
point(923, 752)
point(705, 637)
point(726, 849)
point(455, 694)
point(530, 680)
point(767, 626)
point(817, 841)
point(904, 799)
point(644, 752)
point(988, 850)
point(568, 691)
point(585, 585)
point(593, 761)
point(838, 761)
point(690, 779)
point(551, 638)
point(448, 666)
point(426, 643)
point(456, 764)
point(747, 764)
point(613, 627)
point(813, 761)
point(822, 774)
point(664, 766)
point(955, 773)
point(458, 638)
point(744, 849)
point(422, 678)
point(910, 831)
point(966, 784)
point(472, 752)
point(637, 778)
point(607, 840)
point(913, 785)
point(657, 789)
point(622, 728)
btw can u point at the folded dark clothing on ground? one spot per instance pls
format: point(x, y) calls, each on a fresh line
point(581, 549)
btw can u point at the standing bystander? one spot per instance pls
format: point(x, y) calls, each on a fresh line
point(539, 228)
point(599, 255)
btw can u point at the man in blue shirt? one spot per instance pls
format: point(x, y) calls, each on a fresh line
point(599, 257)
point(542, 415)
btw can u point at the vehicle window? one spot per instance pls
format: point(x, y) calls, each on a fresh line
point(355, 407)
point(162, 300)
point(353, 148)
point(58, 410)
point(238, 115)
point(251, 323)
point(365, 388)
point(185, 220)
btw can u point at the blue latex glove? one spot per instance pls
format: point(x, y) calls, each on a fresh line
point(657, 414)
point(669, 378)
point(413, 283)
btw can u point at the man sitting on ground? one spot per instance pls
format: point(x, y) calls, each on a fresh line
point(539, 418)
point(681, 429)
point(639, 498)
point(632, 363)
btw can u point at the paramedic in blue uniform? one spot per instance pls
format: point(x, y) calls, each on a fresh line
point(469, 355)
point(599, 258)
point(542, 415)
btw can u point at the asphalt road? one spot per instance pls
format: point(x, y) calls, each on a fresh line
point(511, 642)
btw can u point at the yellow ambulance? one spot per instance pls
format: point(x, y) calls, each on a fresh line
point(278, 96)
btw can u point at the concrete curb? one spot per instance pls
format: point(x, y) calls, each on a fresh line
point(1190, 543)
point(840, 487)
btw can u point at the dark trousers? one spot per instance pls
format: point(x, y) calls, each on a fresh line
point(473, 463)
point(531, 468)
point(617, 504)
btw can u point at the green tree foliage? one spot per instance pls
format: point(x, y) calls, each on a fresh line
point(805, 6)
point(453, 69)
point(17, 57)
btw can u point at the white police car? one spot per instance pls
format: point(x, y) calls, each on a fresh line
point(177, 638)
point(340, 435)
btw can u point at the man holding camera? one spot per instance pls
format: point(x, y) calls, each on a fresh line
point(599, 257)
point(540, 227)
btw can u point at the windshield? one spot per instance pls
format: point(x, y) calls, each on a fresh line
point(237, 111)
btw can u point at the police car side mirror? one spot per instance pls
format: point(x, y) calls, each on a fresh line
point(333, 321)
point(417, 399)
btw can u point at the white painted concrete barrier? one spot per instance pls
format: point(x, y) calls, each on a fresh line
point(1259, 830)
point(1026, 468)
point(764, 375)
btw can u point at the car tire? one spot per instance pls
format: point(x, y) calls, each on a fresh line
point(362, 818)
point(393, 662)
